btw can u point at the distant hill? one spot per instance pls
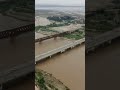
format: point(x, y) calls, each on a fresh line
point(42, 5)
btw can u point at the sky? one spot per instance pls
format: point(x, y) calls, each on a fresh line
point(61, 2)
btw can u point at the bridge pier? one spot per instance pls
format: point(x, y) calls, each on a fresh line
point(62, 51)
point(72, 47)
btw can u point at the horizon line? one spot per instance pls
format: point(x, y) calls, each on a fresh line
point(42, 5)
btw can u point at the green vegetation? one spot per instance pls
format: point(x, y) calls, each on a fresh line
point(66, 19)
point(46, 81)
point(78, 34)
point(43, 28)
point(47, 27)
point(39, 80)
point(60, 18)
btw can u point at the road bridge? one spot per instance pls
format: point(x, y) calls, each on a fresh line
point(59, 50)
point(101, 39)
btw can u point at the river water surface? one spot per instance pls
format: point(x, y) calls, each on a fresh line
point(68, 67)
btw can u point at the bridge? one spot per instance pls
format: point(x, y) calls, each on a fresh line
point(101, 39)
point(59, 50)
point(54, 36)
point(16, 31)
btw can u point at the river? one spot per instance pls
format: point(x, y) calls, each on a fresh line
point(103, 67)
point(68, 67)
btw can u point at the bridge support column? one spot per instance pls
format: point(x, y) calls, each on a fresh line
point(62, 51)
point(72, 47)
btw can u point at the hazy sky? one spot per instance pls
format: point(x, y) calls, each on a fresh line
point(61, 2)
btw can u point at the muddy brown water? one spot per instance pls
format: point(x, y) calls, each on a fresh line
point(68, 67)
point(103, 68)
point(50, 44)
point(16, 52)
point(64, 66)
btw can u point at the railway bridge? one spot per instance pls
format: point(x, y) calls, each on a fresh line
point(54, 36)
point(16, 31)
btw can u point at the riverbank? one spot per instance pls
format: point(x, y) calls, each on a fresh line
point(46, 81)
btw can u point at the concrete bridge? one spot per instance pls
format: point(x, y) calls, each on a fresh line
point(16, 31)
point(59, 50)
point(101, 39)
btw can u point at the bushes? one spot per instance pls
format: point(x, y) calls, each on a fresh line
point(39, 80)
point(60, 19)
point(76, 35)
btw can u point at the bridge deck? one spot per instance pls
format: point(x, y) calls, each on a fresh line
point(60, 49)
point(100, 39)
